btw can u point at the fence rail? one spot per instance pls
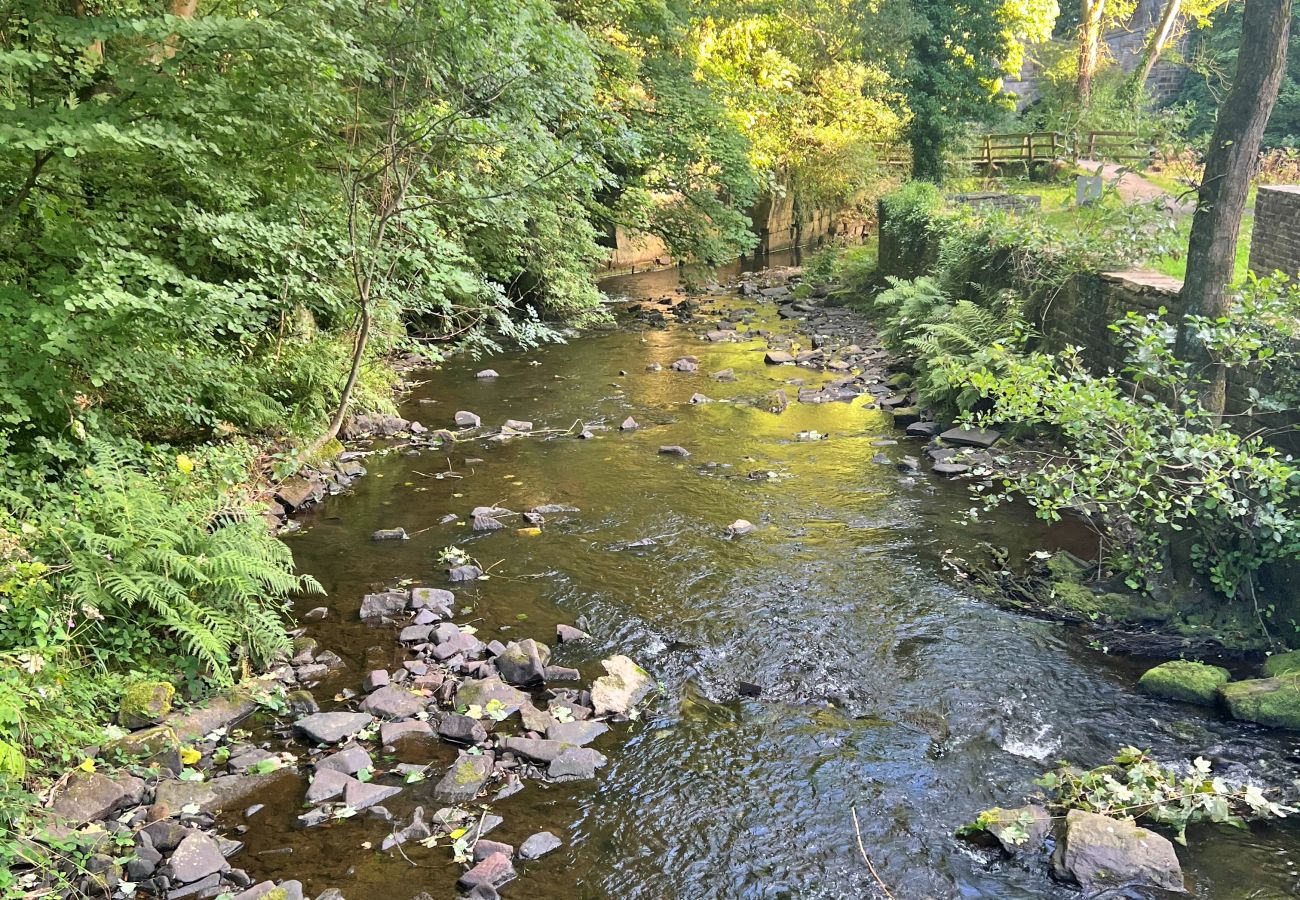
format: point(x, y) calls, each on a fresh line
point(1040, 146)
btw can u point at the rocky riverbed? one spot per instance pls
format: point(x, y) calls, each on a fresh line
point(726, 495)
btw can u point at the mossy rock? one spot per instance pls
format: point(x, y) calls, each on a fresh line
point(1078, 598)
point(1185, 680)
point(1282, 664)
point(899, 380)
point(1266, 701)
point(145, 703)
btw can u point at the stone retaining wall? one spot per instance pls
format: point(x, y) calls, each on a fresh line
point(1275, 246)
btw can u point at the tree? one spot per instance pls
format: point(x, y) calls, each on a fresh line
point(1221, 197)
point(1165, 31)
point(1092, 16)
point(960, 52)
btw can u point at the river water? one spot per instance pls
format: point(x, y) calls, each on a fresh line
point(886, 687)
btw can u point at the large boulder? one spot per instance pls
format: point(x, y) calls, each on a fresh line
point(622, 689)
point(1099, 852)
point(145, 703)
point(86, 797)
point(1266, 701)
point(1185, 680)
point(1282, 664)
point(197, 856)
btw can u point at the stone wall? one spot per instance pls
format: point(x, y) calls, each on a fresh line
point(1081, 312)
point(1275, 245)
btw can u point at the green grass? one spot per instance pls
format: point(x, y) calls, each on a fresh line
point(1176, 265)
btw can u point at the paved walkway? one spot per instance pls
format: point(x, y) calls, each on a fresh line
point(1133, 188)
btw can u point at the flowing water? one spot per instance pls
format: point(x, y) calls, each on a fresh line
point(887, 688)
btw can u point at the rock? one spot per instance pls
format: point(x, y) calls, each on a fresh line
point(749, 689)
point(466, 419)
point(416, 831)
point(674, 450)
point(435, 599)
point(483, 691)
point(415, 634)
point(535, 719)
point(463, 573)
point(350, 760)
point(1282, 664)
point(1099, 852)
point(686, 364)
point(654, 367)
point(462, 643)
point(484, 848)
point(552, 509)
point(145, 703)
point(561, 673)
point(360, 794)
point(487, 373)
point(567, 634)
point(202, 889)
point(245, 760)
point(536, 750)
point(700, 398)
point(315, 614)
point(388, 534)
point(392, 703)
point(720, 335)
point(577, 733)
point(575, 764)
point(374, 680)
point(629, 424)
point(165, 834)
point(494, 871)
point(971, 437)
point(226, 792)
point(539, 845)
point(1186, 680)
point(326, 785)
point(725, 375)
point(86, 797)
point(776, 402)
point(486, 523)
point(622, 689)
point(1018, 830)
point(152, 746)
point(388, 603)
point(198, 856)
point(1266, 701)
point(391, 732)
point(464, 779)
point(741, 526)
point(461, 729)
point(519, 425)
point(777, 357)
point(923, 429)
point(333, 727)
point(949, 469)
point(523, 662)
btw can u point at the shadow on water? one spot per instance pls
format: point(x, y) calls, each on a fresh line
point(886, 687)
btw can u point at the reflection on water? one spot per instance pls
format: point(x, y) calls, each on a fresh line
point(886, 688)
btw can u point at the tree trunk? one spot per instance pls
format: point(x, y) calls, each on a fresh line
point(345, 396)
point(1091, 15)
point(1221, 198)
point(1156, 43)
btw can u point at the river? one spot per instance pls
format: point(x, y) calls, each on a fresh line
point(886, 686)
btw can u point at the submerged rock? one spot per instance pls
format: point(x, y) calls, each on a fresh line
point(387, 603)
point(488, 373)
point(494, 871)
point(575, 764)
point(466, 419)
point(1185, 680)
point(674, 450)
point(466, 777)
point(333, 727)
point(1100, 852)
point(577, 733)
point(464, 573)
point(539, 845)
point(388, 534)
point(1266, 701)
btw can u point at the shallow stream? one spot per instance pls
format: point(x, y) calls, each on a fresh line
point(886, 687)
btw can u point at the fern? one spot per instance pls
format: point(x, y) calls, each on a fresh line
point(147, 570)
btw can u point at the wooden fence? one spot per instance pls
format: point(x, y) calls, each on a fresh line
point(1030, 147)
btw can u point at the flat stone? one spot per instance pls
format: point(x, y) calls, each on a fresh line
point(1267, 701)
point(349, 761)
point(574, 764)
point(392, 703)
point(519, 425)
point(388, 534)
point(463, 643)
point(950, 469)
point(326, 785)
point(387, 603)
point(417, 830)
point(360, 794)
point(484, 848)
point(415, 634)
point(622, 689)
point(245, 760)
point(674, 450)
point(466, 777)
point(971, 437)
point(166, 834)
point(464, 573)
point(461, 729)
point(552, 509)
point(86, 797)
point(923, 429)
point(391, 732)
point(535, 719)
point(567, 634)
point(333, 727)
point(208, 886)
point(577, 733)
point(725, 375)
point(375, 680)
point(493, 871)
point(466, 419)
point(561, 673)
point(481, 692)
point(221, 711)
point(536, 750)
point(778, 357)
point(198, 856)
point(315, 614)
point(432, 598)
point(540, 844)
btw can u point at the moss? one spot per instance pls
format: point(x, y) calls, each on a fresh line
point(1065, 567)
point(1185, 680)
point(1266, 701)
point(467, 773)
point(899, 380)
point(145, 703)
point(1282, 664)
point(276, 893)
